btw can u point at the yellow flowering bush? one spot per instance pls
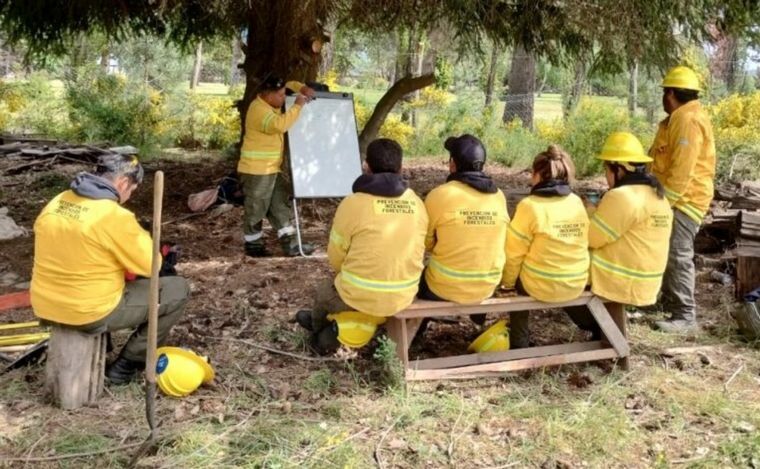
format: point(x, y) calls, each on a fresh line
point(736, 125)
point(209, 121)
point(392, 128)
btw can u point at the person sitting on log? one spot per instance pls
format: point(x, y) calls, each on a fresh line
point(376, 247)
point(85, 242)
point(547, 240)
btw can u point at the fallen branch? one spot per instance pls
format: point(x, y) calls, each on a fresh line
point(376, 453)
point(736, 373)
point(74, 455)
point(277, 351)
point(672, 352)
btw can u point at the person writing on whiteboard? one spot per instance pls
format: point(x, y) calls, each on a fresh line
point(260, 165)
point(377, 242)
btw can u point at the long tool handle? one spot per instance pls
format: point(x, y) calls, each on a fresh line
point(150, 359)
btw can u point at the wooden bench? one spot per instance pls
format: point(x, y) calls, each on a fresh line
point(610, 316)
point(75, 368)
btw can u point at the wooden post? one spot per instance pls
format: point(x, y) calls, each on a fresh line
point(75, 367)
point(617, 311)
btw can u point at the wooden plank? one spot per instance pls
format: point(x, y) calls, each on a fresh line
point(491, 357)
point(495, 369)
point(747, 274)
point(617, 312)
point(423, 309)
point(394, 327)
point(608, 326)
point(15, 301)
point(75, 367)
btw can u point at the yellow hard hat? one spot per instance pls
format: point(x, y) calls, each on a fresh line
point(681, 77)
point(355, 329)
point(494, 339)
point(623, 147)
point(180, 371)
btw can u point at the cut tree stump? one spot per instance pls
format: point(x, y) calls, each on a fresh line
point(75, 367)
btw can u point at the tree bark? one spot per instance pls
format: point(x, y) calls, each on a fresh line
point(399, 89)
point(277, 44)
point(575, 93)
point(234, 70)
point(522, 85)
point(196, 76)
point(633, 87)
point(104, 56)
point(492, 65)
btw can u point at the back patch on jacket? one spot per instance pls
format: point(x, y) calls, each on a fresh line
point(394, 207)
point(469, 217)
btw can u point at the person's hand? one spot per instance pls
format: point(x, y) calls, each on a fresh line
point(308, 92)
point(301, 100)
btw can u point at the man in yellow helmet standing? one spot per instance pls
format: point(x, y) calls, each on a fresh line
point(684, 162)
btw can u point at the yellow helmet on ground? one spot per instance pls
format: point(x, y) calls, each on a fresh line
point(355, 329)
point(494, 339)
point(681, 77)
point(623, 147)
point(180, 371)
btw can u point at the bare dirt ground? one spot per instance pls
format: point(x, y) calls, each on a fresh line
point(272, 410)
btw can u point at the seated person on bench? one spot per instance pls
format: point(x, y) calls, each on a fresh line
point(547, 240)
point(85, 242)
point(630, 231)
point(467, 229)
point(376, 247)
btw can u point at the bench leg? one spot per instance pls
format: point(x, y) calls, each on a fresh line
point(617, 312)
point(397, 331)
point(609, 327)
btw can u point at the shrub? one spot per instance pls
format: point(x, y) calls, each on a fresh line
point(111, 108)
point(33, 107)
point(208, 121)
point(736, 124)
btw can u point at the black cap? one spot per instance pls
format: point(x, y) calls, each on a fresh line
point(272, 82)
point(467, 152)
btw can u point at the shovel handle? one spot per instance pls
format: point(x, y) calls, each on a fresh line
point(150, 359)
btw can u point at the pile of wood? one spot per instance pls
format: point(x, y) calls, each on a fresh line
point(30, 154)
point(733, 226)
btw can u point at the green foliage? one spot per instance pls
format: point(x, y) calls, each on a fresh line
point(208, 121)
point(115, 109)
point(33, 106)
point(391, 371)
point(736, 124)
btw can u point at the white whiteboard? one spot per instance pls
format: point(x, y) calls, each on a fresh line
point(324, 147)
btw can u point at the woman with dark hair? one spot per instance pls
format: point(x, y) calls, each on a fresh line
point(547, 240)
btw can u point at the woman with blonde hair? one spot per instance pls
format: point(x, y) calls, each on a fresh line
point(547, 240)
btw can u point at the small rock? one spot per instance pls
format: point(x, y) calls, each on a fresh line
point(745, 427)
point(704, 359)
point(22, 286)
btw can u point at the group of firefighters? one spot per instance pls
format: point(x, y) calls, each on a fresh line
point(635, 246)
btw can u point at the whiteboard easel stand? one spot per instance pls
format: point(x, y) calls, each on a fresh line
point(298, 226)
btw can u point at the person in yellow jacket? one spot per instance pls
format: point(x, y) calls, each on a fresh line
point(684, 162)
point(629, 231)
point(547, 240)
point(376, 247)
point(466, 230)
point(261, 157)
point(84, 243)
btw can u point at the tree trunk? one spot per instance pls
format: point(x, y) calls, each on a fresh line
point(278, 43)
point(104, 56)
point(633, 87)
point(522, 84)
point(234, 70)
point(575, 93)
point(196, 76)
point(409, 69)
point(399, 89)
point(492, 74)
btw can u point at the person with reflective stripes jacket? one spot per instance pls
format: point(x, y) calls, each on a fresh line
point(547, 240)
point(467, 229)
point(376, 247)
point(261, 156)
point(684, 162)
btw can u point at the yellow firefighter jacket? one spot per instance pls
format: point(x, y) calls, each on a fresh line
point(466, 232)
point(265, 128)
point(629, 238)
point(376, 247)
point(547, 247)
point(684, 159)
point(82, 247)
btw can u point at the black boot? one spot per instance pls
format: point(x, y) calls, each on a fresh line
point(326, 342)
point(123, 370)
point(303, 318)
point(255, 249)
point(289, 245)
